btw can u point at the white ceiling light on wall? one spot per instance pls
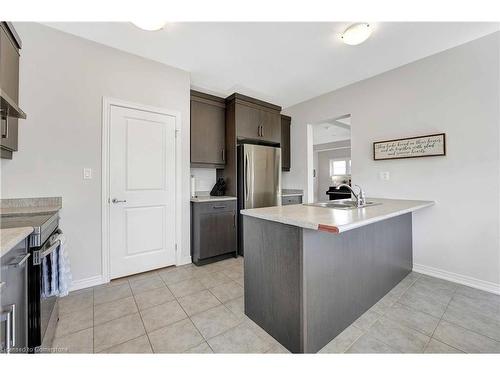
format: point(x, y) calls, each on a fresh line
point(150, 25)
point(356, 34)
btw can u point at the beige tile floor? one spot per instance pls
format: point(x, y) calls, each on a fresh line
point(193, 309)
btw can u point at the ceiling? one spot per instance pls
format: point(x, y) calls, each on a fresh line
point(332, 130)
point(281, 62)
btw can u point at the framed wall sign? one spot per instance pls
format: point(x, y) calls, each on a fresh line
point(412, 147)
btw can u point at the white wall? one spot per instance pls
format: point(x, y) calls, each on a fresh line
point(456, 92)
point(62, 81)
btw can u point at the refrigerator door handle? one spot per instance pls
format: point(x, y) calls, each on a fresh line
point(246, 177)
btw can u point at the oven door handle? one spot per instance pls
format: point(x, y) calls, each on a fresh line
point(50, 250)
point(40, 254)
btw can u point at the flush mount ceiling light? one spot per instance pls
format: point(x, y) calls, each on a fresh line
point(356, 34)
point(150, 25)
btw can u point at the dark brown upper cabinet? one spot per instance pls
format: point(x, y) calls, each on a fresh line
point(256, 120)
point(285, 143)
point(248, 120)
point(9, 90)
point(208, 124)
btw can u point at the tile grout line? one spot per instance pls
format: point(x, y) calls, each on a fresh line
point(189, 317)
point(222, 304)
point(439, 322)
point(120, 317)
point(133, 295)
point(458, 325)
point(194, 325)
point(430, 336)
point(381, 316)
point(185, 312)
point(466, 328)
point(137, 312)
point(140, 317)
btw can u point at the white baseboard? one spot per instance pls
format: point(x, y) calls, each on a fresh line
point(457, 278)
point(87, 283)
point(99, 279)
point(185, 260)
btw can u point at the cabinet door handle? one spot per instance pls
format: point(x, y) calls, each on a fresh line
point(13, 330)
point(223, 155)
point(219, 207)
point(114, 200)
point(5, 130)
point(262, 130)
point(8, 316)
point(20, 263)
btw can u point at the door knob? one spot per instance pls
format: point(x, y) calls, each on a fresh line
point(114, 200)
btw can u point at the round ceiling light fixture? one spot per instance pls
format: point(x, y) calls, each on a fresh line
point(150, 25)
point(356, 34)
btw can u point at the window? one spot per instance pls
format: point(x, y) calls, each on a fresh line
point(340, 167)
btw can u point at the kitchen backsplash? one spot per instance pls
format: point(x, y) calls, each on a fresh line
point(205, 178)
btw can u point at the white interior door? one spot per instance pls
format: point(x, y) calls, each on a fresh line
point(142, 191)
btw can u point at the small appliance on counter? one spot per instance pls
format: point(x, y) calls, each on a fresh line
point(219, 188)
point(193, 186)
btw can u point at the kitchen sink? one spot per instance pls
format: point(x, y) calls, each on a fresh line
point(343, 204)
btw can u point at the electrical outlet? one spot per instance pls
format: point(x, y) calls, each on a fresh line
point(87, 173)
point(384, 176)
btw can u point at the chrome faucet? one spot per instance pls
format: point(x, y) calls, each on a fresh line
point(360, 197)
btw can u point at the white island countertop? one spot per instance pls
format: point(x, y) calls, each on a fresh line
point(336, 220)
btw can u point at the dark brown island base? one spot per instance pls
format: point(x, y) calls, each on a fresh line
point(303, 285)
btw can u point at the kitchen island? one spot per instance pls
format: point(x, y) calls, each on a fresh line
point(312, 271)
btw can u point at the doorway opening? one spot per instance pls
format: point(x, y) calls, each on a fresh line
point(331, 157)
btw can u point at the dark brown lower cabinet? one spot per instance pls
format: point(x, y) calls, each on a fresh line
point(293, 199)
point(213, 231)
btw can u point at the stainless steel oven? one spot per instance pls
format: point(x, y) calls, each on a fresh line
point(42, 312)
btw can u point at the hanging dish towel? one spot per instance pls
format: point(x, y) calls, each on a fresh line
point(56, 271)
point(46, 273)
point(64, 276)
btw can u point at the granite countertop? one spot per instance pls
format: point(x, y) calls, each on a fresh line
point(209, 198)
point(20, 211)
point(336, 220)
point(10, 237)
point(30, 206)
point(291, 192)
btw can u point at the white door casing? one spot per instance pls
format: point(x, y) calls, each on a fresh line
point(142, 173)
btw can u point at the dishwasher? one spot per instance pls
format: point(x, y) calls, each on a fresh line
point(13, 299)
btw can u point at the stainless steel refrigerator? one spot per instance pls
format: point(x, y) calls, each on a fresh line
point(259, 180)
